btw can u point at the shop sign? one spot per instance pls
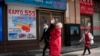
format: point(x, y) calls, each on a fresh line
point(1, 38)
point(54, 4)
point(21, 23)
point(86, 6)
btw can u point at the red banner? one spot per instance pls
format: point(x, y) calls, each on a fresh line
point(86, 6)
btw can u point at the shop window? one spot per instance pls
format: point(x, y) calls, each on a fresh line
point(46, 16)
point(86, 21)
point(96, 24)
point(57, 17)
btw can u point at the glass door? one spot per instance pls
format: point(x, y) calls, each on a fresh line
point(85, 22)
point(44, 16)
point(57, 17)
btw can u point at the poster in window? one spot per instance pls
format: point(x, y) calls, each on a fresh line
point(74, 30)
point(21, 23)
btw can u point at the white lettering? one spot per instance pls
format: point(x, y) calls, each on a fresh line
point(88, 2)
point(91, 2)
point(84, 1)
point(48, 2)
point(39, 1)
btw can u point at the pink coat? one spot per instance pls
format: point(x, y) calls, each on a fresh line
point(55, 42)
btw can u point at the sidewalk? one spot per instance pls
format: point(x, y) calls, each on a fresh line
point(38, 52)
point(94, 52)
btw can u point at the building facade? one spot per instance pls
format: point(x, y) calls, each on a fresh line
point(96, 20)
point(79, 15)
point(23, 22)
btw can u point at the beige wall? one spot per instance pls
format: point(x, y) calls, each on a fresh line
point(73, 12)
point(78, 12)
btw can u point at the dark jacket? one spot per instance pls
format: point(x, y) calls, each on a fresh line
point(46, 34)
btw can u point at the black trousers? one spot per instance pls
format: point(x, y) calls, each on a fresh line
point(86, 48)
point(45, 47)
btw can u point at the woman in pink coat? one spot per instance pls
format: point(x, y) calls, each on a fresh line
point(55, 40)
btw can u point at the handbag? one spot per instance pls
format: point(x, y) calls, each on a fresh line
point(91, 38)
point(91, 42)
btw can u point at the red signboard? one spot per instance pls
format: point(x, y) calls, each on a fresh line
point(86, 6)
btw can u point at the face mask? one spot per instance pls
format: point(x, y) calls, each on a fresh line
point(46, 26)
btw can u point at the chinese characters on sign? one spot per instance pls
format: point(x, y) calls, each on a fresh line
point(86, 6)
point(21, 23)
point(54, 4)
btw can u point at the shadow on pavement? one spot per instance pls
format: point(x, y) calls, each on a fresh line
point(76, 55)
point(69, 55)
point(19, 55)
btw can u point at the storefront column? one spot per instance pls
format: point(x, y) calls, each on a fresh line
point(72, 22)
point(77, 11)
point(73, 12)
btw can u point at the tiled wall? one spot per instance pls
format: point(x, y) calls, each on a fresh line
point(72, 12)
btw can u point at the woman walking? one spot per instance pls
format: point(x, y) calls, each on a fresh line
point(55, 40)
point(87, 42)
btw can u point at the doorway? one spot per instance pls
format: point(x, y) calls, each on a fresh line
point(47, 16)
point(86, 21)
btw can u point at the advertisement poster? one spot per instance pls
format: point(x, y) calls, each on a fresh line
point(21, 23)
point(74, 30)
point(0, 23)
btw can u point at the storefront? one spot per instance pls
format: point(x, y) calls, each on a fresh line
point(47, 15)
point(86, 15)
point(72, 23)
point(96, 20)
point(25, 20)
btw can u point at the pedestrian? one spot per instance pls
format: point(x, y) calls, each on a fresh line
point(55, 40)
point(44, 37)
point(87, 41)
